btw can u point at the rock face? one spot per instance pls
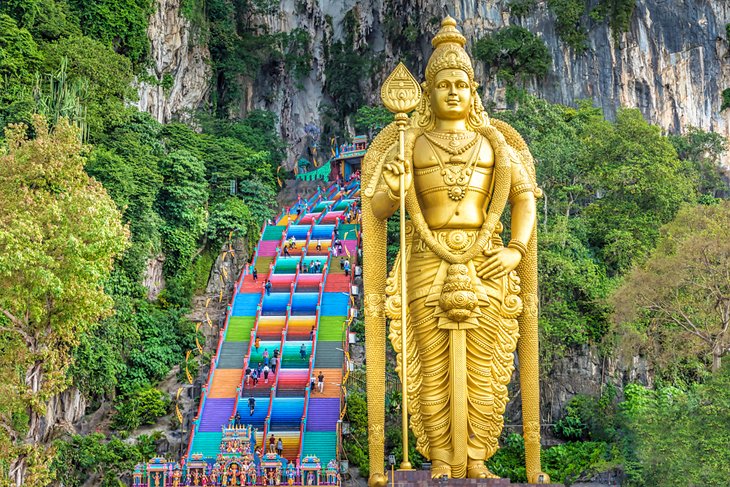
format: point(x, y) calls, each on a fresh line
point(671, 64)
point(153, 279)
point(581, 371)
point(180, 66)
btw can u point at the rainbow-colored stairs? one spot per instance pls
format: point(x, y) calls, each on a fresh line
point(303, 318)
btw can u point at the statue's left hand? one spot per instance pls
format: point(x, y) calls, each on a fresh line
point(500, 262)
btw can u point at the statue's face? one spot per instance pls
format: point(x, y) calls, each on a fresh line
point(451, 94)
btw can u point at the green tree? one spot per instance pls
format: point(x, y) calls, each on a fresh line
point(639, 184)
point(678, 437)
point(108, 74)
point(142, 406)
point(19, 60)
point(345, 70)
point(46, 20)
point(119, 24)
point(568, 15)
point(704, 150)
point(683, 290)
point(371, 120)
point(230, 216)
point(59, 234)
point(514, 54)
point(79, 457)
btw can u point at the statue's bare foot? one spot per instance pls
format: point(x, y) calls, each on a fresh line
point(477, 470)
point(440, 469)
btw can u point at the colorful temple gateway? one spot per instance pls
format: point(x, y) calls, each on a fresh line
point(271, 408)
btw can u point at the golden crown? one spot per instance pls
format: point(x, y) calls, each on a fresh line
point(448, 51)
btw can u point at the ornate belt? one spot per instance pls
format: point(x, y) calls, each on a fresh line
point(458, 241)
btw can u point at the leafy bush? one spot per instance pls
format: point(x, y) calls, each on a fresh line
point(81, 456)
point(142, 406)
point(355, 444)
point(120, 24)
point(725, 99)
point(520, 8)
point(568, 15)
point(514, 54)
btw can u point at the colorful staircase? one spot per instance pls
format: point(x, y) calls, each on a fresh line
point(303, 320)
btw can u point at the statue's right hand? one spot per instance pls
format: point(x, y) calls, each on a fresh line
point(392, 172)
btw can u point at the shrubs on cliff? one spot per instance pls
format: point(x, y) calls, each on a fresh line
point(514, 54)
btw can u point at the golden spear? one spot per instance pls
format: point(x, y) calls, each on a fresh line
point(401, 94)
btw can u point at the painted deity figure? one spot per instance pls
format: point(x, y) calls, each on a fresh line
point(470, 294)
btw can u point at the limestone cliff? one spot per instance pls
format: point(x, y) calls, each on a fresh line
point(671, 63)
point(178, 79)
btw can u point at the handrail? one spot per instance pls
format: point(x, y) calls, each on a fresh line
point(267, 422)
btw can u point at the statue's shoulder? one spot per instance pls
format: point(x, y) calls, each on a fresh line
point(524, 156)
point(512, 136)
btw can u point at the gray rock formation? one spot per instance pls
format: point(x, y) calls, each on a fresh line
point(671, 64)
point(180, 64)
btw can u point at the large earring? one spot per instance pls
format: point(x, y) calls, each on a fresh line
point(477, 114)
point(424, 108)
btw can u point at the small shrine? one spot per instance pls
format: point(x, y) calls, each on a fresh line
point(311, 470)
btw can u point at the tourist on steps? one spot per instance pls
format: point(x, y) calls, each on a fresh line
point(320, 382)
point(266, 374)
point(255, 275)
point(251, 405)
point(279, 447)
point(303, 352)
point(267, 286)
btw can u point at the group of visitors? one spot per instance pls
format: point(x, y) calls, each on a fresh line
point(276, 446)
point(337, 247)
point(345, 265)
point(314, 267)
point(319, 382)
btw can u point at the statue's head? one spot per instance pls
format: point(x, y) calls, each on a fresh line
point(450, 88)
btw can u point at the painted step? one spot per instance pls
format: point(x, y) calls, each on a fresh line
point(331, 328)
point(290, 442)
point(323, 414)
point(216, 413)
point(334, 304)
point(207, 443)
point(328, 356)
point(239, 328)
point(323, 444)
point(260, 410)
point(332, 383)
point(225, 382)
point(231, 355)
point(245, 304)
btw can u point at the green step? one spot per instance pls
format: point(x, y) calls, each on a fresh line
point(239, 328)
point(330, 328)
point(273, 232)
point(207, 443)
point(323, 444)
point(262, 265)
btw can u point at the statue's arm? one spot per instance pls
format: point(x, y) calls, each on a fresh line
point(523, 216)
point(522, 201)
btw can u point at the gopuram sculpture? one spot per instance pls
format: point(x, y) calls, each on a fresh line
point(470, 297)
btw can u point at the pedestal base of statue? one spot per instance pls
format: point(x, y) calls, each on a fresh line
point(422, 478)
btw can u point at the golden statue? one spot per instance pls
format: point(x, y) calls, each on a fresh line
point(469, 297)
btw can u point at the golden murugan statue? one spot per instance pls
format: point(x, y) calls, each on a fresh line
point(469, 297)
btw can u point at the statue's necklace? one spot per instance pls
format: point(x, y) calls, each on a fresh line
point(456, 179)
point(453, 146)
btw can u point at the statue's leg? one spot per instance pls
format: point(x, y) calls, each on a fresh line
point(490, 362)
point(435, 390)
